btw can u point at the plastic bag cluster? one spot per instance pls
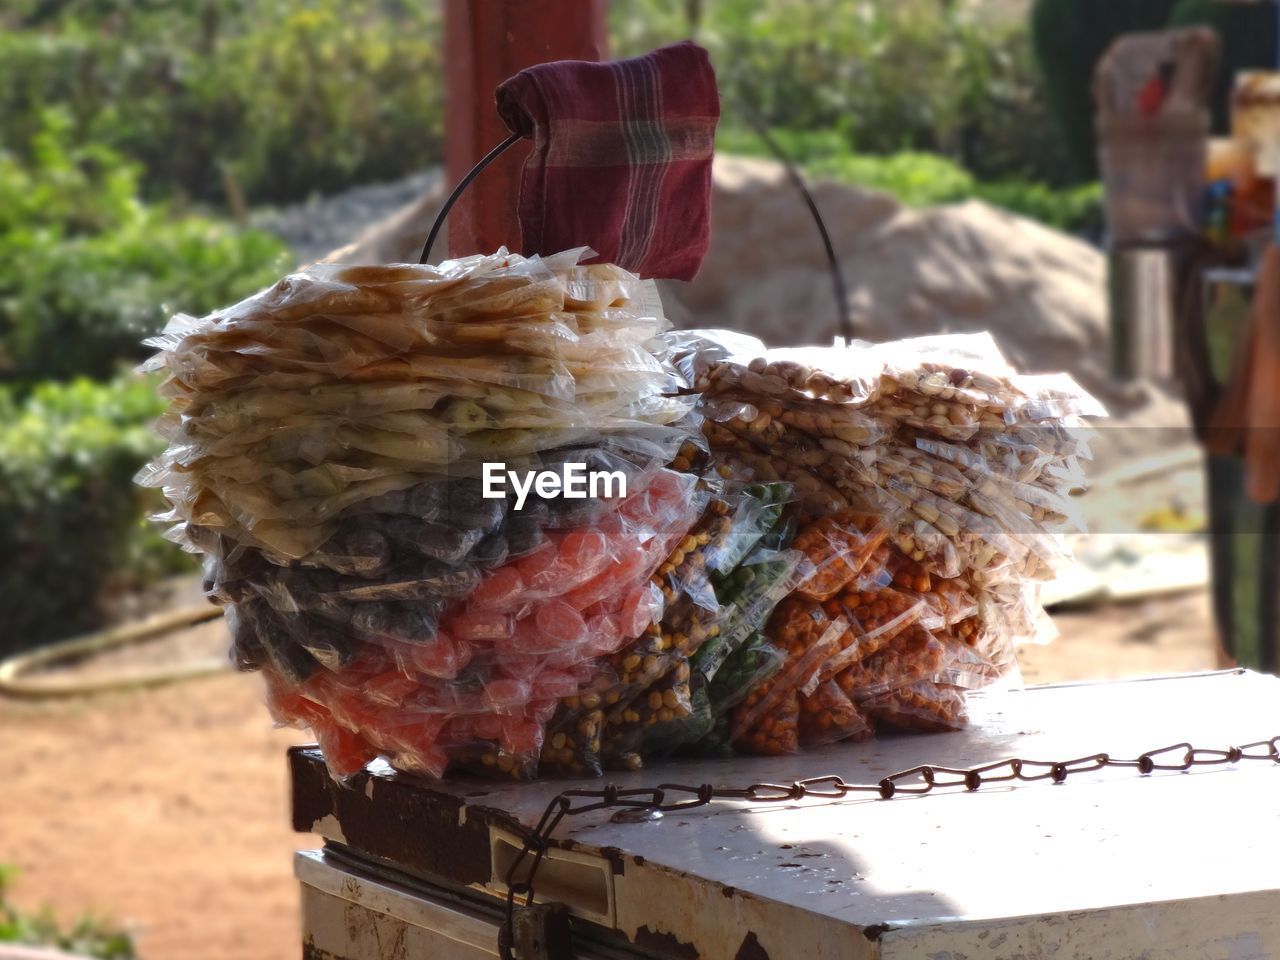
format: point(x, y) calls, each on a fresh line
point(809, 546)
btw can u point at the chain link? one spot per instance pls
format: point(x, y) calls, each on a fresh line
point(916, 781)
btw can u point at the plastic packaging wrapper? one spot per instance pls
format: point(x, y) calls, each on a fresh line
point(341, 384)
point(813, 543)
point(915, 655)
point(651, 710)
point(330, 450)
point(776, 731)
point(572, 745)
point(651, 717)
point(964, 466)
point(838, 547)
point(688, 618)
point(758, 510)
point(923, 707)
point(747, 597)
point(808, 638)
point(874, 618)
point(827, 715)
point(752, 664)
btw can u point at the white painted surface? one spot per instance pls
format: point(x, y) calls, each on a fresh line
point(1100, 841)
point(1108, 865)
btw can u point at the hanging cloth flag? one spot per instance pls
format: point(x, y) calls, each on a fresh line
point(621, 158)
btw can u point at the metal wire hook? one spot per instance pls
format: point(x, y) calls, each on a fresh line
point(844, 324)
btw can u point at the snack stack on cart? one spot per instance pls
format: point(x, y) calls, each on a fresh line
point(327, 447)
point(933, 486)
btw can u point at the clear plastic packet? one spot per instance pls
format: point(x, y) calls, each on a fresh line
point(746, 669)
point(937, 553)
point(695, 353)
point(345, 752)
point(914, 655)
point(874, 619)
point(261, 639)
point(963, 667)
point(828, 716)
point(679, 734)
point(482, 759)
point(898, 461)
point(561, 563)
point(684, 573)
point(598, 286)
point(837, 374)
point(754, 662)
point(815, 497)
point(1012, 489)
point(947, 600)
point(808, 637)
point(438, 656)
point(298, 646)
point(632, 668)
point(923, 707)
point(757, 509)
point(838, 546)
point(1052, 396)
point(955, 521)
point(774, 731)
point(571, 747)
point(664, 702)
point(776, 425)
point(747, 597)
point(949, 420)
point(835, 462)
point(270, 337)
point(571, 334)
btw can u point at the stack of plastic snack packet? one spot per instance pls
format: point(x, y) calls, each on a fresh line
point(327, 449)
point(933, 487)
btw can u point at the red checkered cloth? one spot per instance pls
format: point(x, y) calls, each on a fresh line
point(621, 158)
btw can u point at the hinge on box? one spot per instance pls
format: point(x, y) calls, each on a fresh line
point(538, 932)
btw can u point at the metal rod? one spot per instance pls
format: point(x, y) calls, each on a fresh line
point(487, 159)
point(844, 325)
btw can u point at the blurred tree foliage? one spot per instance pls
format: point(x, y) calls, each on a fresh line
point(87, 269)
point(72, 523)
point(889, 75)
point(88, 935)
point(924, 179)
point(281, 96)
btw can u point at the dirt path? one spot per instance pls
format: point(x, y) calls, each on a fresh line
point(164, 810)
point(167, 810)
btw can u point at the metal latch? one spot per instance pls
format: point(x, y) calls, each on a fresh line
point(538, 932)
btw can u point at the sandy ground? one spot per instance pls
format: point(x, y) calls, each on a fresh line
point(167, 810)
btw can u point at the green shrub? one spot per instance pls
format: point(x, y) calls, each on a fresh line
point(890, 75)
point(87, 270)
point(1076, 209)
point(923, 179)
point(88, 936)
point(71, 519)
point(285, 97)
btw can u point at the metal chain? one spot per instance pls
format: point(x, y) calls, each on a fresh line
point(916, 781)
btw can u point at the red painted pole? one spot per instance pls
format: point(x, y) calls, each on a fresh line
point(486, 41)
